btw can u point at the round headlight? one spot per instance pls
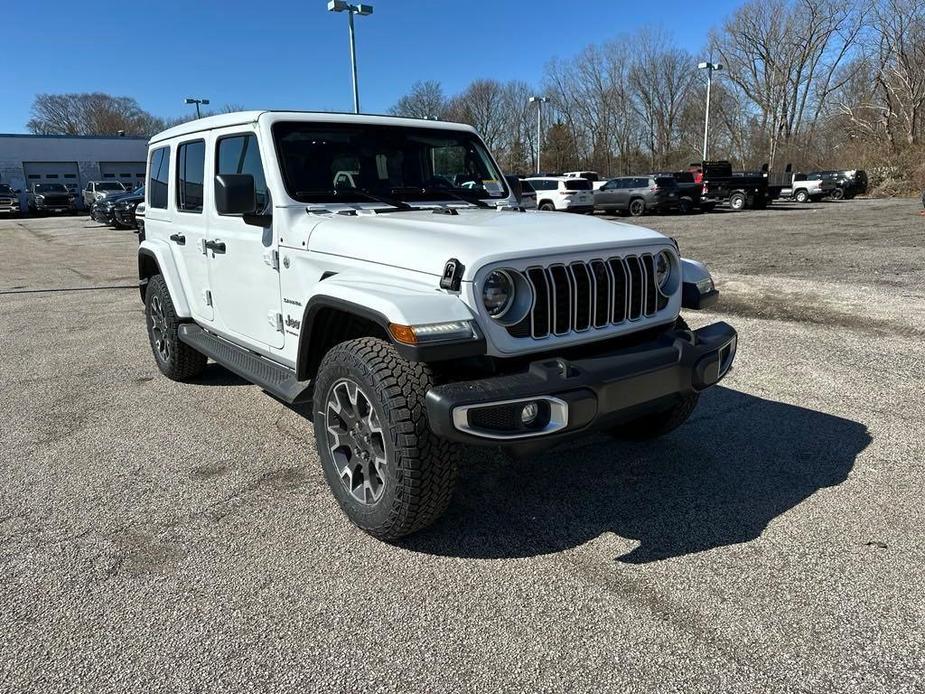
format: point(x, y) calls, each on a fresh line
point(662, 269)
point(498, 293)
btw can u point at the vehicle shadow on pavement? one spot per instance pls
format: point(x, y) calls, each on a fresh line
point(739, 463)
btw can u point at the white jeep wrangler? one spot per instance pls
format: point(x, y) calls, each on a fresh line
point(413, 302)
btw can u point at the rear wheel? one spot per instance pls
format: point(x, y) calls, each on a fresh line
point(685, 205)
point(387, 470)
point(838, 194)
point(547, 206)
point(801, 196)
point(637, 207)
point(176, 360)
point(737, 202)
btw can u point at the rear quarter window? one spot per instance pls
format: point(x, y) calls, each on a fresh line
point(578, 184)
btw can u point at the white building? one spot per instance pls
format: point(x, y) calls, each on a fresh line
point(71, 160)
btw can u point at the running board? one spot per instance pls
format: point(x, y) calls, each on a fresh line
point(276, 379)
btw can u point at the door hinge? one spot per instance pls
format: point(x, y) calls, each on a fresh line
point(276, 320)
point(207, 297)
point(271, 258)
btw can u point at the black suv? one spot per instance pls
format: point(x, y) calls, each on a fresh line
point(848, 183)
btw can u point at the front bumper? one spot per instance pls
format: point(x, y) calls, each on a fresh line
point(583, 394)
point(101, 214)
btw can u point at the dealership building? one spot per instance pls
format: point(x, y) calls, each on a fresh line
point(71, 160)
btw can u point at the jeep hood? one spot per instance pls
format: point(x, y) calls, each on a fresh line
point(423, 240)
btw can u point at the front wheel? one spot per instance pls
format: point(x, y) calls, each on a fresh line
point(389, 473)
point(838, 194)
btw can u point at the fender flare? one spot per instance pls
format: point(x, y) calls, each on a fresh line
point(163, 258)
point(360, 297)
point(697, 288)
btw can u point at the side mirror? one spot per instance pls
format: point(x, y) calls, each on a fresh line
point(235, 194)
point(516, 187)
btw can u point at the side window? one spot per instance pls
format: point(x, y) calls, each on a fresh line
point(239, 154)
point(191, 164)
point(157, 177)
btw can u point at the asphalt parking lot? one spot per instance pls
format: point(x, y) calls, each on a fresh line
point(157, 536)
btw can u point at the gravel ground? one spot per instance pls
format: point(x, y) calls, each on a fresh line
point(164, 537)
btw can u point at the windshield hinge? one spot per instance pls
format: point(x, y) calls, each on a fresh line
point(275, 320)
point(271, 258)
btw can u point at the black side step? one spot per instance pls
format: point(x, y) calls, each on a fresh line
point(273, 378)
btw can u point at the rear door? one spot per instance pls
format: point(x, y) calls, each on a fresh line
point(244, 272)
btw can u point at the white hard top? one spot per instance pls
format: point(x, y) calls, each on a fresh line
point(225, 120)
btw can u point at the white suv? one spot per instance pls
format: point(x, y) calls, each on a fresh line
point(567, 194)
point(412, 305)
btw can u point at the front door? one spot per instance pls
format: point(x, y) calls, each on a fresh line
point(243, 259)
point(607, 195)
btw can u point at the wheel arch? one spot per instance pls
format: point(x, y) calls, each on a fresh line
point(153, 259)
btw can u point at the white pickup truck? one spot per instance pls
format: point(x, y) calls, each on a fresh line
point(413, 303)
point(802, 189)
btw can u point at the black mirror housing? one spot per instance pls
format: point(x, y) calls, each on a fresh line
point(235, 194)
point(516, 186)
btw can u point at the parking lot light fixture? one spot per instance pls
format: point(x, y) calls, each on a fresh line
point(539, 101)
point(204, 102)
point(362, 10)
point(710, 68)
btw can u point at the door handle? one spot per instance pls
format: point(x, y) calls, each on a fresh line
point(178, 239)
point(215, 246)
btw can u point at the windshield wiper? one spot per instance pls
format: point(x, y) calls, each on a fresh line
point(441, 191)
point(354, 191)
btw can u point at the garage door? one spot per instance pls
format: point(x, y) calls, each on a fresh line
point(131, 173)
point(52, 172)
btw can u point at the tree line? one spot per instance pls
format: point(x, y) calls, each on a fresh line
point(815, 83)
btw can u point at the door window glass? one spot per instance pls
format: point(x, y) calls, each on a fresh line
point(191, 162)
point(239, 154)
point(160, 162)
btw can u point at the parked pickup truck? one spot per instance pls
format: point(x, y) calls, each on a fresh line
point(9, 199)
point(690, 190)
point(798, 186)
point(739, 191)
point(412, 314)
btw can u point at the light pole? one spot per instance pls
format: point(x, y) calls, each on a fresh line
point(709, 67)
point(539, 101)
point(362, 10)
point(204, 102)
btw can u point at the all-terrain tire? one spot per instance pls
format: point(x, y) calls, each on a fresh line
point(176, 360)
point(655, 424)
point(419, 475)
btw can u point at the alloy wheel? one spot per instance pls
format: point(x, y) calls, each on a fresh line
point(159, 330)
point(356, 441)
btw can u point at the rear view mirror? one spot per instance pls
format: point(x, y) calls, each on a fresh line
point(235, 194)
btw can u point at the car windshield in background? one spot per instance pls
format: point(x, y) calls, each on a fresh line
point(50, 188)
point(526, 187)
point(349, 163)
point(110, 186)
point(578, 184)
point(666, 182)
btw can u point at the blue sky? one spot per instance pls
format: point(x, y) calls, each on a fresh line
point(293, 53)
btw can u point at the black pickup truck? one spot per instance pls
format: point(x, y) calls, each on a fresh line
point(689, 189)
point(739, 190)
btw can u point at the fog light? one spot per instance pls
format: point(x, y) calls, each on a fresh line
point(529, 413)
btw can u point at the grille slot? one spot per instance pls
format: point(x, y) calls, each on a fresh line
point(587, 295)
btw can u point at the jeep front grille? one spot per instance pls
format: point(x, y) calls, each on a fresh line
point(586, 295)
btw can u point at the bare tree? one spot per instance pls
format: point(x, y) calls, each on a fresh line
point(425, 100)
point(90, 114)
point(481, 105)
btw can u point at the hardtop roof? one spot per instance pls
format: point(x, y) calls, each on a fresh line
point(225, 120)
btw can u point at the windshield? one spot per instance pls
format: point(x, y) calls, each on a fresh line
point(340, 162)
point(110, 186)
point(5, 188)
point(50, 188)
